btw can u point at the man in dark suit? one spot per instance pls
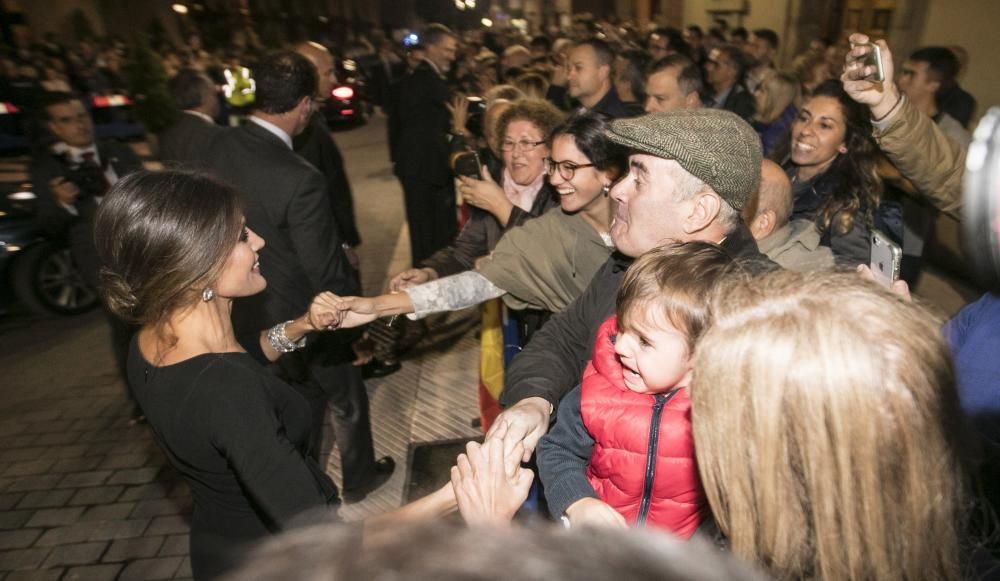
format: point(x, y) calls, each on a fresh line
point(590, 80)
point(186, 141)
point(70, 178)
point(286, 202)
point(420, 146)
point(725, 69)
point(317, 146)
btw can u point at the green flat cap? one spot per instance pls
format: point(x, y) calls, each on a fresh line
point(716, 146)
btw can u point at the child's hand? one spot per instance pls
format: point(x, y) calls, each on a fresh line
point(590, 512)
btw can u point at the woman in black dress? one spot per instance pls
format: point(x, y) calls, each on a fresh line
point(177, 251)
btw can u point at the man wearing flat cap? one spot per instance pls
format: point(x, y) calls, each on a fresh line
point(690, 174)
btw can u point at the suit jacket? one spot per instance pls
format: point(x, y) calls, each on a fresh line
point(316, 145)
point(78, 229)
point(186, 141)
point(420, 148)
point(51, 215)
point(285, 201)
point(741, 102)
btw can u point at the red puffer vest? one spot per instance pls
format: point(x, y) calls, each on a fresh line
point(643, 461)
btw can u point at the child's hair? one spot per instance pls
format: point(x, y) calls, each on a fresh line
point(678, 279)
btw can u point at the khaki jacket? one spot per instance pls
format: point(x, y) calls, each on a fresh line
point(932, 162)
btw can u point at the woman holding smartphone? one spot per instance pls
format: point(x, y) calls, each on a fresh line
point(832, 166)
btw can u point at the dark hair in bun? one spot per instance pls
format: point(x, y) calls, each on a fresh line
point(162, 238)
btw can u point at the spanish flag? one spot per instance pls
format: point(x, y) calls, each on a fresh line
point(499, 342)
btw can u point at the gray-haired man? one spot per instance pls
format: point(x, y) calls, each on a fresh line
point(690, 173)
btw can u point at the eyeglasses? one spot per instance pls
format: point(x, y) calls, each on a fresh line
point(523, 145)
point(567, 169)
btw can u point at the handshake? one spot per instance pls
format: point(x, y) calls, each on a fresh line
point(329, 312)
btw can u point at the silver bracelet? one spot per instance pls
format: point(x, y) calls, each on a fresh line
point(279, 340)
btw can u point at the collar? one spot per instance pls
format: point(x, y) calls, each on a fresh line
point(434, 67)
point(721, 96)
point(200, 114)
point(271, 127)
point(76, 153)
point(609, 101)
point(522, 196)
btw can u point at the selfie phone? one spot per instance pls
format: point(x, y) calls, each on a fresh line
point(874, 59)
point(467, 164)
point(886, 257)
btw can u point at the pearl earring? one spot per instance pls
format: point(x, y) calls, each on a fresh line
point(207, 294)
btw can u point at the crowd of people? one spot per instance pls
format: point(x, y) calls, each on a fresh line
point(682, 234)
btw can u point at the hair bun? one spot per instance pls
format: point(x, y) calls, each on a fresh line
point(118, 294)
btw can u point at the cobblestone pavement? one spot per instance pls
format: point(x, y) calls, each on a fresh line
point(84, 495)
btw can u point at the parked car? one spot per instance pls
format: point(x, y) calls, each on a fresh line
point(37, 271)
point(348, 101)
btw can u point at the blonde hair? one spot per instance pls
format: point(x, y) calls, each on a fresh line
point(825, 420)
point(533, 85)
point(780, 90)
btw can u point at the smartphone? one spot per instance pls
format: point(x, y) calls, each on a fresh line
point(874, 59)
point(467, 164)
point(886, 257)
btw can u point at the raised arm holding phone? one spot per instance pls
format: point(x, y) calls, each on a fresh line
point(932, 162)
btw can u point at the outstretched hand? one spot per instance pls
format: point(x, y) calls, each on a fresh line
point(356, 311)
point(325, 313)
point(459, 109)
point(524, 423)
point(490, 486)
point(411, 277)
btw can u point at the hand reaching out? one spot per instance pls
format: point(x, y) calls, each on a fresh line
point(490, 486)
point(459, 109)
point(356, 311)
point(411, 278)
point(325, 313)
point(524, 423)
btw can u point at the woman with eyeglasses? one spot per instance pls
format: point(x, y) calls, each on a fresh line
point(544, 264)
point(519, 192)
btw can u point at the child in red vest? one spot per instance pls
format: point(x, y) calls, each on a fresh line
point(621, 452)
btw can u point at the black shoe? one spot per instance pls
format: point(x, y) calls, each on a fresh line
point(376, 368)
point(384, 467)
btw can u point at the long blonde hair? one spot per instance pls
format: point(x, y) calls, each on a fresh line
point(826, 421)
point(780, 90)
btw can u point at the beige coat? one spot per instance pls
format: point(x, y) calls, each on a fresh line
point(796, 246)
point(932, 162)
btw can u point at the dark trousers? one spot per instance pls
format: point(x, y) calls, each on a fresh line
point(323, 374)
point(430, 214)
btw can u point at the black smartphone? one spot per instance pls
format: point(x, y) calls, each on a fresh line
point(467, 164)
